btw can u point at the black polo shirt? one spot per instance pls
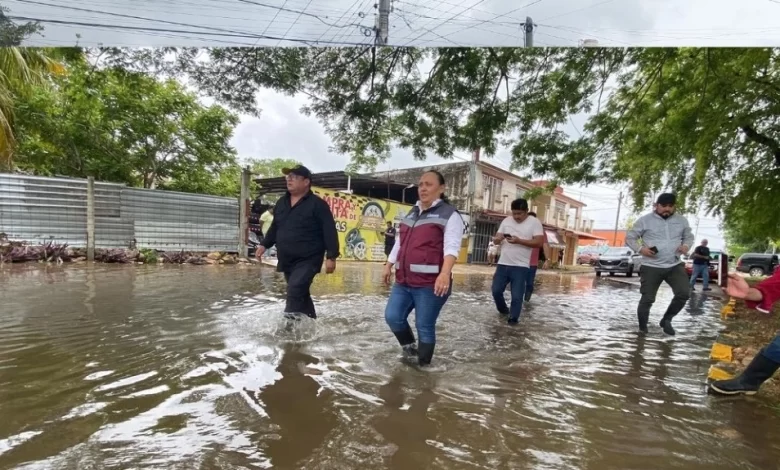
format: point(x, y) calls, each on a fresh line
point(302, 233)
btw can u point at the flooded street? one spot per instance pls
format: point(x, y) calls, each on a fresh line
point(192, 368)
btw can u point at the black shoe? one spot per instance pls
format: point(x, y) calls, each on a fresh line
point(666, 324)
point(426, 353)
point(757, 372)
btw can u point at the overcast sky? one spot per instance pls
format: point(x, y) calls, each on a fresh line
point(282, 131)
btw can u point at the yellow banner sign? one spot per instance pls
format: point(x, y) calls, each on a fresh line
point(360, 222)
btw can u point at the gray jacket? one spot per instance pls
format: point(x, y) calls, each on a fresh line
point(652, 230)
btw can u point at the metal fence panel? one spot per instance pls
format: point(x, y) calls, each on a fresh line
point(38, 209)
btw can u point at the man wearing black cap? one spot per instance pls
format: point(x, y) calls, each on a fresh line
point(661, 237)
point(304, 232)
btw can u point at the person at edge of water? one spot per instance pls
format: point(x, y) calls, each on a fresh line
point(537, 256)
point(492, 252)
point(664, 236)
point(389, 235)
point(303, 230)
point(266, 219)
point(518, 235)
point(425, 250)
point(767, 361)
point(701, 265)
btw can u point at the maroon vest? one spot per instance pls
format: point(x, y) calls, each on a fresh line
point(421, 255)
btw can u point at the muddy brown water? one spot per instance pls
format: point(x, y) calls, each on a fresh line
point(122, 367)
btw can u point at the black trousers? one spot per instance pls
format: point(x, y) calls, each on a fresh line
point(299, 277)
point(651, 279)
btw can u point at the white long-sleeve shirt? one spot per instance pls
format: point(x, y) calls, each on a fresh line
point(453, 236)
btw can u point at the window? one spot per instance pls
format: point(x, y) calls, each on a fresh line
point(519, 192)
point(492, 191)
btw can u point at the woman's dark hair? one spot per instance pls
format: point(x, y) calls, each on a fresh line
point(442, 196)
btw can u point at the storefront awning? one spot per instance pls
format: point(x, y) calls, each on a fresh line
point(553, 240)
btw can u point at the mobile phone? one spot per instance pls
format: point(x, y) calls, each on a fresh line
point(654, 250)
point(507, 235)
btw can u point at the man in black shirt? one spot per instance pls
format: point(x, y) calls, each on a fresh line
point(389, 234)
point(701, 266)
point(304, 232)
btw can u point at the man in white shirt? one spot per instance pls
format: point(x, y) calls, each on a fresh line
point(517, 235)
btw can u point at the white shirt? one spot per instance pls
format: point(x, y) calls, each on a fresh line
point(513, 254)
point(453, 236)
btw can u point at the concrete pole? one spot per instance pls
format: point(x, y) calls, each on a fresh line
point(617, 219)
point(91, 219)
point(470, 209)
point(383, 23)
point(244, 205)
point(528, 26)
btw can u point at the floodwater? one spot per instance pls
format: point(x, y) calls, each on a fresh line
point(122, 367)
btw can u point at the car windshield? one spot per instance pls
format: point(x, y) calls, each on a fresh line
point(617, 252)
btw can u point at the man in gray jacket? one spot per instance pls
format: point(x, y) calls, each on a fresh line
point(661, 237)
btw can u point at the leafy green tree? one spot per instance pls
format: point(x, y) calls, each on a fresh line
point(125, 126)
point(702, 122)
point(12, 34)
point(22, 72)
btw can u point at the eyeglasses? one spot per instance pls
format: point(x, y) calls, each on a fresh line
point(293, 177)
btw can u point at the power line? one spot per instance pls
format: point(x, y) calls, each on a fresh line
point(177, 31)
point(496, 17)
point(448, 19)
point(577, 10)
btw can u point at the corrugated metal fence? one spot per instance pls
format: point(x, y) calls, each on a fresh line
point(37, 209)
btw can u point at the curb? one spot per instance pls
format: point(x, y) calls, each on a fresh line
point(722, 351)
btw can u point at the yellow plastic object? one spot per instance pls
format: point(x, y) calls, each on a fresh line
point(727, 311)
point(721, 352)
point(716, 373)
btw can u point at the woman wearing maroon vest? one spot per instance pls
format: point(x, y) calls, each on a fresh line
point(425, 250)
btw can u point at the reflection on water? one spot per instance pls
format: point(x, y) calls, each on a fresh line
point(193, 367)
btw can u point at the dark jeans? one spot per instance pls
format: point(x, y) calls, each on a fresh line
point(426, 305)
point(299, 277)
point(651, 279)
point(529, 284)
point(772, 350)
point(516, 277)
point(702, 270)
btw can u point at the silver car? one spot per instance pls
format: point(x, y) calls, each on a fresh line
point(618, 260)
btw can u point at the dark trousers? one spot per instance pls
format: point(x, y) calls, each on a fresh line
point(299, 277)
point(516, 277)
point(651, 279)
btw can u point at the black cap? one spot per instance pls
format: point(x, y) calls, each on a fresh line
point(666, 199)
point(299, 170)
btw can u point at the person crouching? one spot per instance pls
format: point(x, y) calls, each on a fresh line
point(425, 250)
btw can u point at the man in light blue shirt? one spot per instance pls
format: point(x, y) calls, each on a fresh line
point(661, 237)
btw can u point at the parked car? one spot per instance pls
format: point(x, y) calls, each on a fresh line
point(757, 264)
point(588, 256)
point(714, 257)
point(618, 260)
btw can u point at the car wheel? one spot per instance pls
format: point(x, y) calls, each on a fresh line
point(756, 272)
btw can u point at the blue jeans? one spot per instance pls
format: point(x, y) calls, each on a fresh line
point(516, 277)
point(426, 305)
point(772, 350)
point(529, 283)
point(702, 270)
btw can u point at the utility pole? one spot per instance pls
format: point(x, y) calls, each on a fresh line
point(617, 218)
point(528, 27)
point(382, 23)
point(470, 208)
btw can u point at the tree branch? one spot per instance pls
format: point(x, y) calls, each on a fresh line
point(761, 139)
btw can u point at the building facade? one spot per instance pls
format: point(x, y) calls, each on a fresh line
point(494, 191)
